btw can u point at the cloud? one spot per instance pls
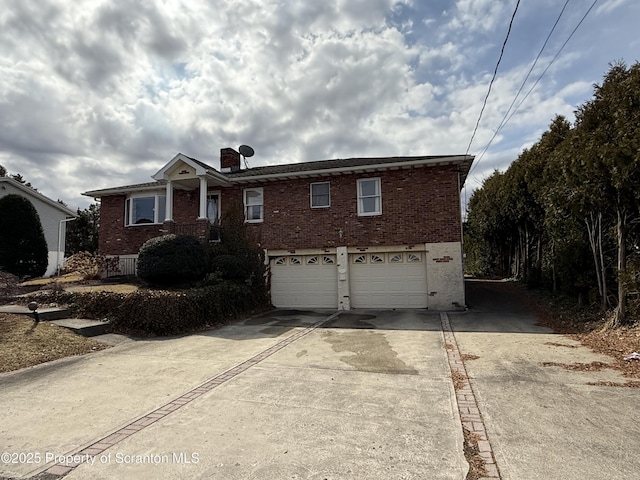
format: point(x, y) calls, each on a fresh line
point(97, 94)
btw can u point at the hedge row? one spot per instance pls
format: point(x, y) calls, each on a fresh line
point(163, 312)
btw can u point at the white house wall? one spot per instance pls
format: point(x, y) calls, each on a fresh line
point(445, 278)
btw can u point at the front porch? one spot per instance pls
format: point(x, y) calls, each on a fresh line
point(187, 174)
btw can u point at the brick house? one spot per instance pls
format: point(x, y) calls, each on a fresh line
point(346, 233)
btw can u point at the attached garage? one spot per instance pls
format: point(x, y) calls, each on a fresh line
point(388, 280)
point(304, 281)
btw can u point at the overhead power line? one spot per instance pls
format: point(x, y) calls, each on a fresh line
point(535, 62)
point(495, 72)
point(555, 57)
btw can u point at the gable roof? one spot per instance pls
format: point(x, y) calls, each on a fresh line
point(302, 169)
point(200, 168)
point(30, 192)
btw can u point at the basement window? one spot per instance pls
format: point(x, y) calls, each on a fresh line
point(144, 210)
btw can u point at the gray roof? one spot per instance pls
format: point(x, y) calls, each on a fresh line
point(307, 169)
point(331, 164)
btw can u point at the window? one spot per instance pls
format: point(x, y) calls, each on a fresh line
point(327, 260)
point(280, 261)
point(369, 197)
point(413, 257)
point(377, 259)
point(142, 210)
point(253, 208)
point(320, 197)
point(395, 258)
point(312, 260)
point(360, 259)
point(213, 208)
point(295, 261)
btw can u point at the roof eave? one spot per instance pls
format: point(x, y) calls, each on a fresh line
point(122, 190)
point(66, 210)
point(458, 159)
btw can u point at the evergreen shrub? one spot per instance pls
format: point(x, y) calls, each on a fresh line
point(172, 260)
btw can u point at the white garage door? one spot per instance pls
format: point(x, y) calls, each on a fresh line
point(309, 281)
point(388, 280)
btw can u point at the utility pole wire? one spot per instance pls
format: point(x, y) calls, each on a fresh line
point(495, 72)
point(555, 57)
point(535, 62)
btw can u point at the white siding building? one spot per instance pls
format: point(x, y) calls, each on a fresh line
point(53, 217)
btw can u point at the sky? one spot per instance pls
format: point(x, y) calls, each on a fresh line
point(97, 94)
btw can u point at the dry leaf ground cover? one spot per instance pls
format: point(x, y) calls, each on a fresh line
point(24, 343)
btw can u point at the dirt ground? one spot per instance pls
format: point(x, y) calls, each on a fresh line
point(24, 343)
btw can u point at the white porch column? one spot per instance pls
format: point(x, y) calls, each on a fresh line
point(168, 206)
point(203, 199)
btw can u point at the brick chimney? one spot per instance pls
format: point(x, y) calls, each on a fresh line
point(229, 160)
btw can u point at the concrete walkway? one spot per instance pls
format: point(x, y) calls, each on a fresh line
point(364, 395)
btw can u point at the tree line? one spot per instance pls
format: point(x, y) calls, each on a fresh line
point(565, 215)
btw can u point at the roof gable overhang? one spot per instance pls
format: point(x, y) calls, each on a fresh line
point(35, 194)
point(181, 168)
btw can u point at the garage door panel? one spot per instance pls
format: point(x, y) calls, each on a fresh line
point(392, 280)
point(304, 282)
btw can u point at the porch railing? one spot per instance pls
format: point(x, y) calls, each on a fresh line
point(210, 232)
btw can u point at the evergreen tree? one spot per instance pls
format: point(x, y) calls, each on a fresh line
point(82, 233)
point(23, 248)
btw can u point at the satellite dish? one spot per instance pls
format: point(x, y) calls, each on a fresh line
point(246, 151)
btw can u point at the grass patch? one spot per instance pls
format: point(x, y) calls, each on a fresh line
point(24, 343)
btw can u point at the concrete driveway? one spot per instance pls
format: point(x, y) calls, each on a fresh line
point(310, 395)
point(544, 422)
point(362, 395)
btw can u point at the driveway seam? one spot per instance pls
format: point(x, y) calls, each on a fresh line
point(470, 415)
point(98, 447)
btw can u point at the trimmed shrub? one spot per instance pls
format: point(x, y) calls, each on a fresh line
point(172, 260)
point(166, 312)
point(23, 247)
point(231, 267)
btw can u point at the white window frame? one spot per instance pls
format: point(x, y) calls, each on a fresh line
point(159, 201)
point(244, 200)
point(311, 195)
point(361, 197)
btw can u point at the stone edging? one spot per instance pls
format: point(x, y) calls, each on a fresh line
point(467, 405)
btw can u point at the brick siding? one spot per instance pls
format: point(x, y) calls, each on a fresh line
point(116, 239)
point(419, 205)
